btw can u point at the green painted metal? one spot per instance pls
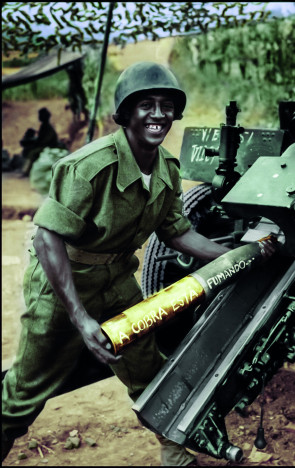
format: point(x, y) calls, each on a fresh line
point(267, 189)
point(195, 165)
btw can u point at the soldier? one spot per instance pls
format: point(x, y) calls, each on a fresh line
point(47, 137)
point(5, 160)
point(105, 200)
point(76, 93)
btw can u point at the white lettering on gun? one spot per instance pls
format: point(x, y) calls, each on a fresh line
point(156, 316)
point(198, 154)
point(227, 273)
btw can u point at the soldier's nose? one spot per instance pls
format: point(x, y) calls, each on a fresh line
point(157, 111)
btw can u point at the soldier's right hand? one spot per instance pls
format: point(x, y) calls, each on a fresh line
point(97, 342)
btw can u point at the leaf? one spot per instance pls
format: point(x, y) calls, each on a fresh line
point(25, 14)
point(257, 457)
point(93, 28)
point(144, 20)
point(128, 16)
point(56, 19)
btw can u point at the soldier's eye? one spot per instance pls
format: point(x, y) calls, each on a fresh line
point(145, 104)
point(168, 105)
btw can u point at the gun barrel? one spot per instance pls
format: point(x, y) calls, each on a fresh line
point(193, 289)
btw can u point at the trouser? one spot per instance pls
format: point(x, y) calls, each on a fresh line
point(50, 345)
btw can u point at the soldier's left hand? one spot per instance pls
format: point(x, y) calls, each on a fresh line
point(268, 247)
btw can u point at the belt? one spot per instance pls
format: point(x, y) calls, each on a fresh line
point(90, 258)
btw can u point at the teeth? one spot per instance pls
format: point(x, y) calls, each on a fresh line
point(154, 127)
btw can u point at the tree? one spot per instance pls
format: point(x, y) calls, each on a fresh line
point(80, 23)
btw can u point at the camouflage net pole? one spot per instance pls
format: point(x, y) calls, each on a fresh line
point(100, 75)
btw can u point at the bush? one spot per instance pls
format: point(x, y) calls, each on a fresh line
point(91, 71)
point(18, 62)
point(52, 86)
point(253, 65)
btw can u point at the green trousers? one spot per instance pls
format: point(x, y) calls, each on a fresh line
point(50, 345)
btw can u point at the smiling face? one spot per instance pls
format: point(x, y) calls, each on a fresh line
point(150, 120)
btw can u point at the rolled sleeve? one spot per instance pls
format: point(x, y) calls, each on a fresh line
point(68, 204)
point(175, 223)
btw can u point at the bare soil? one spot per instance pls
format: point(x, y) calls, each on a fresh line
point(101, 411)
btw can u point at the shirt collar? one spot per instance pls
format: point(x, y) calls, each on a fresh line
point(162, 168)
point(128, 169)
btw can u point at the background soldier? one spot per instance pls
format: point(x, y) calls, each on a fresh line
point(76, 93)
point(47, 137)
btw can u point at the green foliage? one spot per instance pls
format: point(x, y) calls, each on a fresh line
point(91, 71)
point(52, 86)
point(80, 23)
point(18, 62)
point(253, 65)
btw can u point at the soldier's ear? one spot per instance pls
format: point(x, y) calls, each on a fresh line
point(116, 118)
point(122, 117)
point(126, 115)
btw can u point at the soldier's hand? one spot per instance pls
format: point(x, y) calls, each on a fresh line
point(268, 246)
point(97, 342)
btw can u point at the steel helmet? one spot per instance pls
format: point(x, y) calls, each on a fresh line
point(143, 76)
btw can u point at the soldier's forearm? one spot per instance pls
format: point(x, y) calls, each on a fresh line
point(196, 245)
point(51, 251)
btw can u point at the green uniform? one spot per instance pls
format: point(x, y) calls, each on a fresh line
point(98, 203)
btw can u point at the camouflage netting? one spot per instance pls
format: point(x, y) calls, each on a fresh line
point(41, 174)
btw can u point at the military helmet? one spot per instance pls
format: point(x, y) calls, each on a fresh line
point(143, 76)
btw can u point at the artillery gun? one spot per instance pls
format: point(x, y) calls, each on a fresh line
point(228, 349)
point(222, 353)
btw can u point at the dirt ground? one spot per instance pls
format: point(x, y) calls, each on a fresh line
point(101, 411)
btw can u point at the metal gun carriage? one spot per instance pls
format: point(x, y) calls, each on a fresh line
point(230, 348)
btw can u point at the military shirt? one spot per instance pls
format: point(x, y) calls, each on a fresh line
point(98, 201)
